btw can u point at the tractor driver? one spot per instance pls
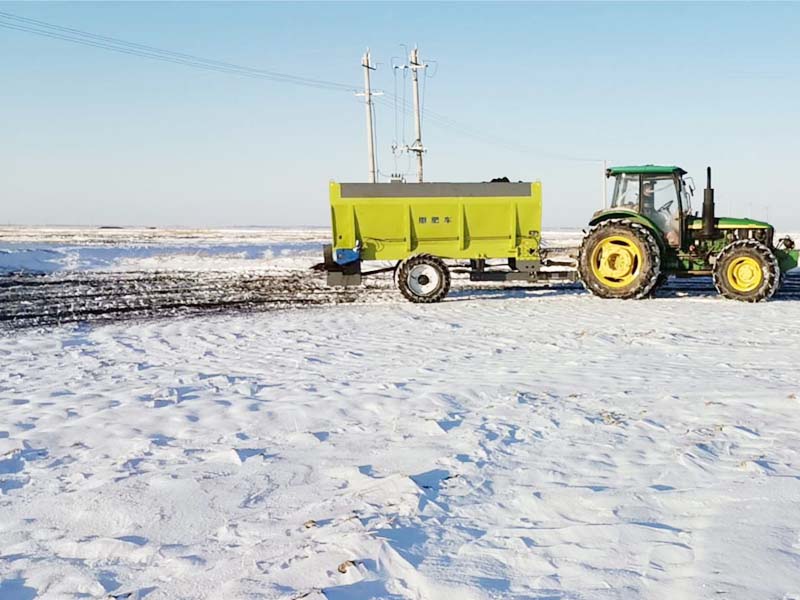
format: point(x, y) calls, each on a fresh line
point(662, 217)
point(648, 199)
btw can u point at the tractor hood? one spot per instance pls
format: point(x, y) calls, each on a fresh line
point(731, 223)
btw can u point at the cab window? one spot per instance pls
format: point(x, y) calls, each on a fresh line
point(626, 192)
point(686, 198)
point(660, 204)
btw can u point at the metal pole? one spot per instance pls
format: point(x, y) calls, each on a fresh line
point(365, 62)
point(605, 185)
point(417, 145)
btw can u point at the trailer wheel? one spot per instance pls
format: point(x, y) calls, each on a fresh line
point(747, 270)
point(423, 279)
point(619, 259)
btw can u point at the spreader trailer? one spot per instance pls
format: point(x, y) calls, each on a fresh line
point(427, 230)
point(492, 231)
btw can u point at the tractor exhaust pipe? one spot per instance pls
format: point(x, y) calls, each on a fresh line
point(709, 222)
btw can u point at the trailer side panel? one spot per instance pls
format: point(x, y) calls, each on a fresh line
point(393, 221)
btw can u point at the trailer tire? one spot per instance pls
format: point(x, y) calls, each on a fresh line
point(621, 259)
point(423, 279)
point(747, 270)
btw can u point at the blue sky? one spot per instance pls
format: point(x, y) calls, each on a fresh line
point(90, 136)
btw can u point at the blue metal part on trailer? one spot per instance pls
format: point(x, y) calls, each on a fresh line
point(345, 256)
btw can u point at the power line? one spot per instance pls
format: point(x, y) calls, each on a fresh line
point(77, 36)
point(469, 131)
point(395, 140)
point(439, 120)
point(462, 129)
point(85, 38)
point(405, 78)
point(375, 136)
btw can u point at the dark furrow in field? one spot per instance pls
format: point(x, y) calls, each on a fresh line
point(27, 300)
point(76, 292)
point(32, 301)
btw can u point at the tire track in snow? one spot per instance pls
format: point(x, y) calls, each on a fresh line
point(33, 301)
point(30, 301)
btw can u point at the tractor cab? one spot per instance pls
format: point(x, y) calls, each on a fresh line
point(657, 193)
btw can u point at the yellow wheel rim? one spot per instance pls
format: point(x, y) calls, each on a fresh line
point(616, 261)
point(744, 274)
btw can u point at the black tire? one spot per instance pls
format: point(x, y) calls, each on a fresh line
point(644, 272)
point(396, 273)
point(423, 279)
point(747, 254)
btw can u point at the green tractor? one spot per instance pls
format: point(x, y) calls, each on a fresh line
point(649, 233)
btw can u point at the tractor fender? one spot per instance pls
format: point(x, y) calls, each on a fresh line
point(629, 215)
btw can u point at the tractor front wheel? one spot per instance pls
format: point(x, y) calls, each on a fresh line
point(619, 259)
point(747, 270)
point(423, 279)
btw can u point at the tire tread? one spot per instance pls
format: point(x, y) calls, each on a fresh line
point(772, 279)
point(402, 274)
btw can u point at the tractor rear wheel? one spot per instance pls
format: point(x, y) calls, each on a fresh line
point(423, 279)
point(747, 270)
point(619, 259)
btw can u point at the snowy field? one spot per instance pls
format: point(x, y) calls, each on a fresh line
point(52, 249)
point(524, 444)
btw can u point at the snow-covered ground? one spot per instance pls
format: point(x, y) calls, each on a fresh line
point(503, 444)
point(49, 249)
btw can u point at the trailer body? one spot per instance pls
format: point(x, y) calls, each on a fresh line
point(467, 221)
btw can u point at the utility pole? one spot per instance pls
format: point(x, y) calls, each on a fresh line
point(605, 185)
point(415, 65)
point(365, 62)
